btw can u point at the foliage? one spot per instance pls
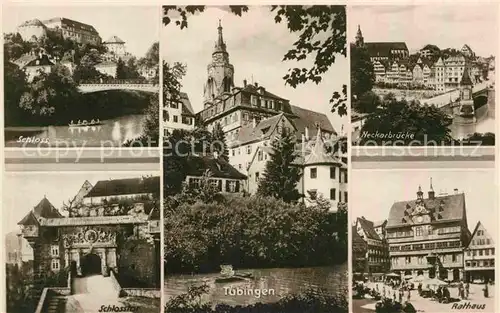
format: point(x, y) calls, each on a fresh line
point(172, 77)
point(14, 87)
point(14, 46)
point(250, 232)
point(321, 37)
point(362, 75)
point(19, 291)
point(425, 125)
point(281, 175)
point(368, 102)
point(486, 139)
point(50, 93)
point(219, 141)
point(151, 130)
point(307, 302)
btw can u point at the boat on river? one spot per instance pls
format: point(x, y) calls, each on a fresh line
point(228, 275)
point(85, 123)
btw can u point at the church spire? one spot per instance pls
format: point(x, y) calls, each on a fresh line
point(359, 37)
point(220, 46)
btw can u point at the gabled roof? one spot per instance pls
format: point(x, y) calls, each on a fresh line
point(114, 39)
point(259, 90)
point(384, 49)
point(219, 168)
point(453, 209)
point(311, 120)
point(29, 219)
point(25, 59)
point(262, 130)
point(40, 61)
point(116, 187)
point(367, 227)
point(479, 225)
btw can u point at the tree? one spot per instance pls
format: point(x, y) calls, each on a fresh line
point(321, 36)
point(121, 71)
point(367, 103)
point(486, 139)
point(50, 94)
point(14, 46)
point(172, 77)
point(362, 75)
point(219, 142)
point(423, 124)
point(281, 175)
point(14, 86)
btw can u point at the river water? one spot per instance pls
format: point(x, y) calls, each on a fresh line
point(283, 281)
point(111, 133)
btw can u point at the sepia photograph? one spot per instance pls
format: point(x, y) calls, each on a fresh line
point(255, 159)
point(86, 77)
point(423, 239)
point(82, 241)
point(423, 75)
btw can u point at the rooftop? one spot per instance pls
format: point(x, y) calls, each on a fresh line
point(128, 186)
point(218, 167)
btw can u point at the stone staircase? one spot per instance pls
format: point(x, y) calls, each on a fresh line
point(56, 304)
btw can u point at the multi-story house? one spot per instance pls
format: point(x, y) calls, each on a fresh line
point(178, 115)
point(377, 256)
point(440, 75)
point(359, 249)
point(115, 45)
point(427, 236)
point(32, 30)
point(479, 256)
point(454, 70)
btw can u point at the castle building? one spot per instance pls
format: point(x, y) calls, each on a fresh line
point(427, 236)
point(74, 30)
point(479, 256)
point(113, 226)
point(249, 114)
point(377, 252)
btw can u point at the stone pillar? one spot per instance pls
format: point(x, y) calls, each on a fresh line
point(112, 260)
point(104, 265)
point(66, 258)
point(78, 265)
point(461, 274)
point(426, 273)
point(450, 274)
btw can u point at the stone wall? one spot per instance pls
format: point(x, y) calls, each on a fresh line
point(143, 292)
point(136, 264)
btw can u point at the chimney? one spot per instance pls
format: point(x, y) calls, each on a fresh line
point(456, 191)
point(244, 83)
point(254, 123)
point(256, 84)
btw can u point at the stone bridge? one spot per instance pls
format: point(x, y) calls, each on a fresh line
point(443, 100)
point(89, 87)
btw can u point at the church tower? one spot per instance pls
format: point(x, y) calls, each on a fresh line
point(360, 41)
point(220, 72)
point(466, 108)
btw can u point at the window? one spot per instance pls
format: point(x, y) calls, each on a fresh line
point(314, 173)
point(453, 257)
point(332, 193)
point(233, 151)
point(480, 252)
point(418, 231)
point(340, 196)
point(54, 265)
point(176, 119)
point(260, 155)
point(54, 251)
point(345, 196)
point(249, 149)
point(257, 176)
point(408, 259)
point(332, 172)
point(487, 252)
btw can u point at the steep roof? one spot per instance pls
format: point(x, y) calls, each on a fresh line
point(310, 119)
point(318, 153)
point(384, 48)
point(452, 209)
point(466, 81)
point(114, 39)
point(116, 187)
point(40, 61)
point(479, 225)
point(219, 168)
point(25, 59)
point(259, 90)
point(379, 223)
point(367, 227)
point(187, 108)
point(263, 129)
point(44, 209)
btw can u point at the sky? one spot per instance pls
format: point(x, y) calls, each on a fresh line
point(138, 26)
point(24, 190)
point(377, 190)
point(256, 46)
point(447, 26)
